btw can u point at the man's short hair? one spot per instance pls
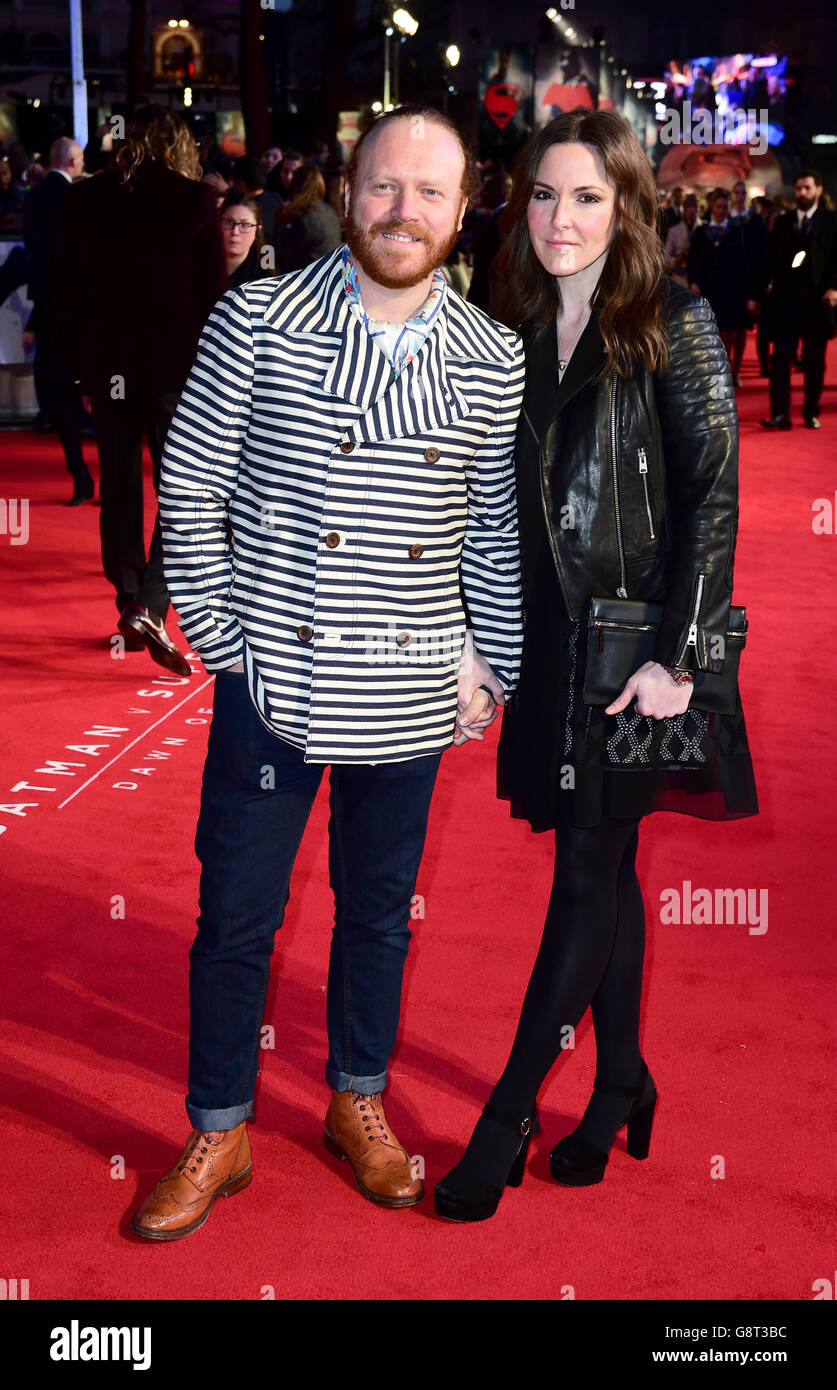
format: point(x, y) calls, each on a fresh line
point(813, 174)
point(61, 151)
point(470, 176)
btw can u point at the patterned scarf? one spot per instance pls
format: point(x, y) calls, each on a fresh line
point(399, 342)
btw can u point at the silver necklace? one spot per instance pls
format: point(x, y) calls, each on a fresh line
point(562, 358)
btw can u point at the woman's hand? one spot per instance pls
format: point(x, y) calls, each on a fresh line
point(657, 693)
point(475, 708)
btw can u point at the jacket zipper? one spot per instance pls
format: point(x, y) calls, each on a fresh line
point(643, 470)
point(691, 636)
point(542, 452)
point(621, 592)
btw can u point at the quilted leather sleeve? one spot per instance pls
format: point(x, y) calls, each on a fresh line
point(699, 425)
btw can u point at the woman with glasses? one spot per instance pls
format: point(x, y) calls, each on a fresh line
point(626, 463)
point(243, 241)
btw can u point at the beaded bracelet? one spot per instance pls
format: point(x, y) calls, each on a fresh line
point(679, 677)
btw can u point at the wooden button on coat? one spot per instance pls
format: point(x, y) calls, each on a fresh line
point(403, 639)
point(347, 447)
point(305, 633)
point(432, 454)
point(416, 551)
point(332, 539)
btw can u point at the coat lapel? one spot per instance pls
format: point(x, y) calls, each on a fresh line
point(545, 398)
point(359, 372)
point(314, 305)
point(423, 399)
point(428, 395)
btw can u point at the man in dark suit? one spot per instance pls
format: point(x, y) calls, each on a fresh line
point(141, 264)
point(801, 298)
point(58, 396)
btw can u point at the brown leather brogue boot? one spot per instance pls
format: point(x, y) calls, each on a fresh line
point(214, 1163)
point(356, 1128)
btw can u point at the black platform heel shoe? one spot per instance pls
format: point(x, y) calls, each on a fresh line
point(463, 1195)
point(576, 1162)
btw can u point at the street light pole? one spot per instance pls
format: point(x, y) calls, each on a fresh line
point(387, 32)
point(396, 85)
point(79, 83)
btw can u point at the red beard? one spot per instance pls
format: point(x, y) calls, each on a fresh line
point(363, 244)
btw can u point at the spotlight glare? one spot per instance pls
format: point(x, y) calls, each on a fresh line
point(403, 20)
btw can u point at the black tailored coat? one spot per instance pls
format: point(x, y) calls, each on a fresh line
point(641, 500)
point(139, 267)
point(41, 211)
point(783, 286)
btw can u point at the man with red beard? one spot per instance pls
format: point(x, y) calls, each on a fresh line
point(340, 539)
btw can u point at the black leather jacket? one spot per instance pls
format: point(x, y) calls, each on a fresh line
point(639, 478)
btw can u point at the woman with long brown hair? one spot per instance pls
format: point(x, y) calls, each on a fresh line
point(627, 501)
point(307, 227)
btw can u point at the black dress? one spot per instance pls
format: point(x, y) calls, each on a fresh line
point(561, 762)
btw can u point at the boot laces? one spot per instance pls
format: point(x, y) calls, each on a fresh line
point(370, 1116)
point(194, 1152)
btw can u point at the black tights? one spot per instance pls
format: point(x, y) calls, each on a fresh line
point(591, 953)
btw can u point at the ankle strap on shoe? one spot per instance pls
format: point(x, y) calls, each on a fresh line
point(525, 1125)
point(630, 1092)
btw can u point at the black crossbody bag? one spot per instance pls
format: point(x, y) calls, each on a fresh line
point(621, 635)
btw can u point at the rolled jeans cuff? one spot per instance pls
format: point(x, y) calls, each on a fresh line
point(362, 1085)
point(219, 1119)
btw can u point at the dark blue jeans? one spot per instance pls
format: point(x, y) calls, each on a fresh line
point(256, 797)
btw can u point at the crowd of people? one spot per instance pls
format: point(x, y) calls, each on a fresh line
point(765, 263)
point(192, 222)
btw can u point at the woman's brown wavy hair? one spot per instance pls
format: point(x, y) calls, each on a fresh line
point(628, 297)
point(306, 188)
point(155, 133)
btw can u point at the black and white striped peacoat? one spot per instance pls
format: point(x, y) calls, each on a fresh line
point(322, 518)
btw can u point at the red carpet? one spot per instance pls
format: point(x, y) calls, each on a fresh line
point(735, 1201)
